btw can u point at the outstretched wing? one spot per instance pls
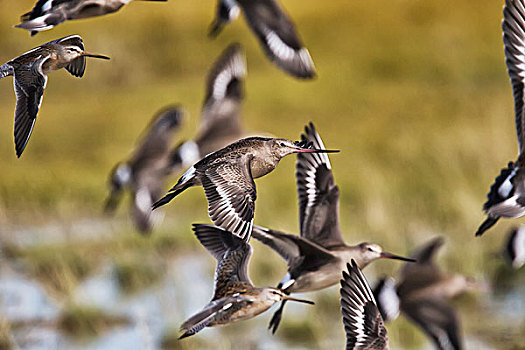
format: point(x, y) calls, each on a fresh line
point(514, 41)
point(363, 323)
point(231, 195)
point(30, 82)
point(318, 194)
point(220, 122)
point(437, 319)
point(232, 254)
point(293, 249)
point(278, 36)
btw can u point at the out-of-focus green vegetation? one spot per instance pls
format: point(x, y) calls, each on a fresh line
point(414, 93)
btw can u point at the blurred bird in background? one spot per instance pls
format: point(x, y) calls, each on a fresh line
point(274, 30)
point(422, 294)
point(143, 174)
point(220, 122)
point(49, 13)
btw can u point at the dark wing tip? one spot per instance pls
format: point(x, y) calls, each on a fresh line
point(488, 223)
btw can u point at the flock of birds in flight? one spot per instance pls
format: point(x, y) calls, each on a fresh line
point(224, 160)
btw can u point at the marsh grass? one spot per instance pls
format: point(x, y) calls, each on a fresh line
point(6, 339)
point(85, 322)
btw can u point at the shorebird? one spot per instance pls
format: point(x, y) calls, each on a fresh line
point(227, 177)
point(235, 298)
point(220, 123)
point(514, 249)
point(363, 323)
point(274, 30)
point(48, 13)
point(422, 295)
point(144, 172)
point(506, 197)
point(30, 78)
point(316, 258)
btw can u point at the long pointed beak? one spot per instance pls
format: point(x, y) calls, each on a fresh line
point(287, 297)
point(87, 54)
point(312, 150)
point(396, 257)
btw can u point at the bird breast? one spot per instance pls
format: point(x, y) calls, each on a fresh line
point(324, 277)
point(261, 166)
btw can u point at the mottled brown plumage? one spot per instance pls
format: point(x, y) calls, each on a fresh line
point(227, 177)
point(235, 298)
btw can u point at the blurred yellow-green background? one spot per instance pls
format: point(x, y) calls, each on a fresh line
point(414, 93)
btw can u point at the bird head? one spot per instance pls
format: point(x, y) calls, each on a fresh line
point(370, 252)
point(284, 147)
point(276, 295)
point(72, 52)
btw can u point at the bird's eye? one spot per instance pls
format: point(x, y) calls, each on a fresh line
point(370, 249)
point(282, 144)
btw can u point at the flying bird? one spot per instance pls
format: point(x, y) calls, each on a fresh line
point(49, 13)
point(220, 122)
point(274, 30)
point(363, 323)
point(422, 294)
point(316, 258)
point(227, 177)
point(30, 78)
point(144, 172)
point(506, 197)
point(235, 298)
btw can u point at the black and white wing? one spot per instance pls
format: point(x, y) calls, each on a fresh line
point(362, 321)
point(30, 82)
point(225, 81)
point(220, 122)
point(318, 194)
point(200, 320)
point(232, 255)
point(278, 36)
point(514, 40)
point(437, 319)
point(231, 194)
